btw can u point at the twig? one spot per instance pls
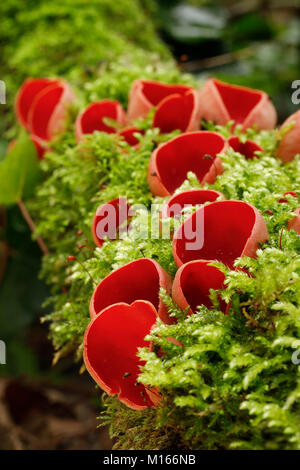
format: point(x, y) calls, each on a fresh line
point(218, 60)
point(252, 320)
point(32, 226)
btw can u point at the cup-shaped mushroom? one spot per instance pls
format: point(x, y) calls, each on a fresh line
point(222, 231)
point(178, 112)
point(290, 142)
point(193, 197)
point(110, 220)
point(26, 95)
point(138, 280)
point(128, 135)
point(146, 94)
point(248, 148)
point(294, 223)
point(221, 102)
point(92, 118)
point(48, 112)
point(291, 193)
point(193, 151)
point(192, 284)
point(111, 344)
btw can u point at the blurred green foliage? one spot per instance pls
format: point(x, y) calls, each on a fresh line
point(255, 44)
point(70, 39)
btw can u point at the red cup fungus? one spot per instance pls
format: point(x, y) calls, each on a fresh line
point(147, 94)
point(49, 110)
point(193, 197)
point(221, 102)
point(222, 231)
point(110, 220)
point(111, 344)
point(138, 280)
point(27, 94)
point(192, 284)
point(178, 112)
point(248, 148)
point(194, 151)
point(91, 118)
point(128, 134)
point(292, 193)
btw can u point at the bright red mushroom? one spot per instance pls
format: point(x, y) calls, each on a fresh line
point(110, 220)
point(111, 345)
point(26, 95)
point(194, 151)
point(146, 94)
point(178, 112)
point(292, 193)
point(194, 197)
point(294, 223)
point(248, 148)
point(221, 103)
point(138, 280)
point(48, 112)
point(92, 118)
point(290, 142)
point(222, 231)
point(192, 284)
point(128, 134)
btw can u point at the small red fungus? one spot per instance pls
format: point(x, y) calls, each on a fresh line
point(138, 280)
point(221, 102)
point(26, 95)
point(110, 220)
point(194, 197)
point(146, 94)
point(192, 284)
point(111, 344)
point(194, 151)
point(248, 148)
point(222, 231)
point(48, 112)
point(128, 135)
point(91, 118)
point(292, 193)
point(178, 112)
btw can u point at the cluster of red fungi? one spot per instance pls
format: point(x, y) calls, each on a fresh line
point(127, 302)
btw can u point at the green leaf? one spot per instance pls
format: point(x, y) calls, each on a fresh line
point(19, 171)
